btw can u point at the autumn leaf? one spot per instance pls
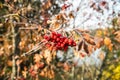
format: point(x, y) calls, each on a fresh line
point(71, 15)
point(47, 5)
point(90, 49)
point(86, 48)
point(66, 67)
point(37, 58)
point(98, 41)
point(1, 51)
point(80, 45)
point(42, 73)
point(24, 73)
point(51, 74)
point(110, 47)
point(107, 41)
point(89, 39)
point(117, 36)
point(9, 63)
point(99, 33)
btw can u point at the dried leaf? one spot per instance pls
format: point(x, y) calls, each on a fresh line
point(1, 51)
point(55, 25)
point(90, 48)
point(42, 73)
point(80, 45)
point(59, 64)
point(9, 63)
point(117, 37)
point(89, 39)
point(99, 42)
point(86, 48)
point(37, 58)
point(110, 47)
point(66, 67)
point(71, 15)
point(47, 5)
point(51, 74)
point(24, 73)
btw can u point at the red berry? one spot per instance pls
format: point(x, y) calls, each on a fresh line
point(53, 41)
point(58, 43)
point(82, 55)
point(53, 33)
point(55, 37)
point(70, 42)
point(46, 37)
point(61, 40)
point(66, 40)
point(58, 39)
point(48, 45)
point(62, 45)
point(52, 36)
point(58, 35)
point(65, 48)
point(74, 44)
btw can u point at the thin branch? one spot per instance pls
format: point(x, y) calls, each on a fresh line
point(33, 50)
point(13, 51)
point(8, 15)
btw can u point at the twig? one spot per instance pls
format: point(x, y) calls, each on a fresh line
point(8, 15)
point(76, 15)
point(13, 50)
point(33, 50)
point(113, 61)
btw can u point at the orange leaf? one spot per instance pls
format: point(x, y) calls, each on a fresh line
point(66, 67)
point(107, 41)
point(110, 47)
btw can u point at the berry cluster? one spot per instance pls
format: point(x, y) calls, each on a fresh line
point(58, 42)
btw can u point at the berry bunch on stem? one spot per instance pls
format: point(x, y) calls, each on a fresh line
point(58, 42)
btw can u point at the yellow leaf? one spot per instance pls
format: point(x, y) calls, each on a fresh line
point(117, 70)
point(111, 67)
point(106, 74)
point(99, 33)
